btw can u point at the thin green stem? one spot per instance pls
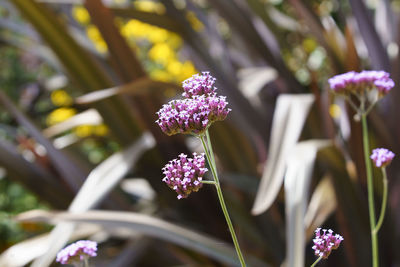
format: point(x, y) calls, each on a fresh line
point(86, 262)
point(210, 158)
point(210, 148)
point(384, 201)
point(208, 182)
point(374, 236)
point(315, 262)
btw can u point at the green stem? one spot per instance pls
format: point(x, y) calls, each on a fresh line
point(315, 262)
point(384, 201)
point(86, 262)
point(211, 149)
point(210, 158)
point(208, 182)
point(374, 236)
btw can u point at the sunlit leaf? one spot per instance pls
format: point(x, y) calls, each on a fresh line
point(90, 116)
point(150, 226)
point(289, 117)
point(300, 165)
point(142, 86)
point(321, 206)
point(98, 184)
point(24, 252)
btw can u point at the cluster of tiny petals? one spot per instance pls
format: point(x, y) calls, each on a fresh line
point(192, 115)
point(199, 84)
point(184, 175)
point(325, 242)
point(382, 157)
point(358, 81)
point(77, 251)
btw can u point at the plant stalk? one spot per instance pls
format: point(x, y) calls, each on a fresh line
point(210, 158)
point(384, 201)
point(315, 262)
point(374, 236)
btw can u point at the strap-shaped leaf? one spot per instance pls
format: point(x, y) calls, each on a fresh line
point(300, 166)
point(150, 226)
point(289, 117)
point(98, 184)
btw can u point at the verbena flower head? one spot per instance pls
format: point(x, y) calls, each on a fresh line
point(325, 242)
point(192, 115)
point(184, 175)
point(382, 157)
point(199, 84)
point(77, 251)
point(357, 82)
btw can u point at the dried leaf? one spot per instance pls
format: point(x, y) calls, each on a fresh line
point(150, 226)
point(300, 165)
point(98, 184)
point(289, 117)
point(322, 205)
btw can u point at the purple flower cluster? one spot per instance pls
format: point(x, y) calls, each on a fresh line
point(202, 84)
point(77, 251)
point(382, 157)
point(353, 82)
point(193, 115)
point(324, 243)
point(184, 175)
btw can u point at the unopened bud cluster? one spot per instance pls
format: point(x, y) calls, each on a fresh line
point(382, 157)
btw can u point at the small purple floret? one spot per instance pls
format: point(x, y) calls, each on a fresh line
point(326, 242)
point(382, 157)
point(184, 175)
point(192, 115)
point(352, 82)
point(77, 251)
point(199, 84)
point(384, 86)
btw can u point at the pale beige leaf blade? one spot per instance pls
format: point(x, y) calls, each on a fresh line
point(300, 165)
point(289, 117)
point(24, 252)
point(90, 116)
point(322, 205)
point(149, 226)
point(98, 184)
point(140, 86)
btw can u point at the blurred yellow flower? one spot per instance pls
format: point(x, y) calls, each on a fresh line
point(95, 36)
point(309, 45)
point(59, 115)
point(93, 33)
point(101, 130)
point(174, 67)
point(157, 35)
point(101, 46)
point(161, 75)
point(161, 53)
point(80, 14)
point(83, 130)
point(135, 28)
point(194, 21)
point(188, 69)
point(149, 6)
point(174, 40)
point(334, 111)
point(60, 98)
